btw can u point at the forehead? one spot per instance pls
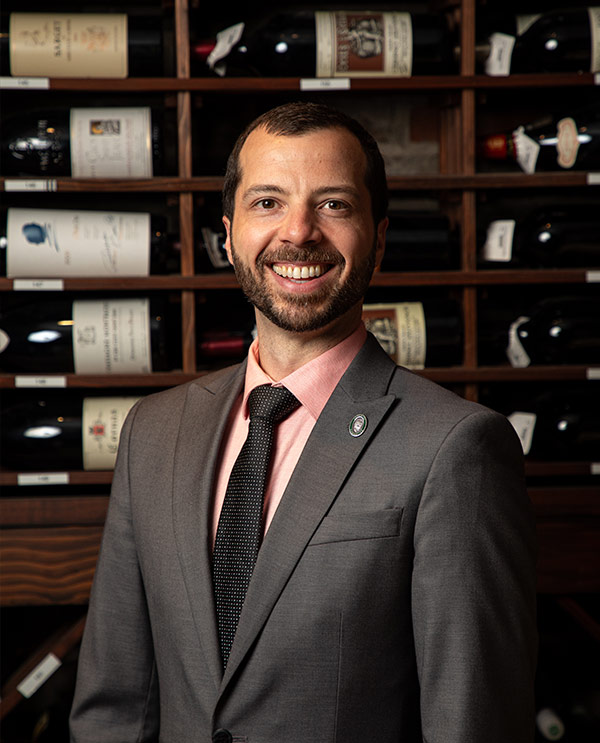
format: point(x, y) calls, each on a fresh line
point(315, 154)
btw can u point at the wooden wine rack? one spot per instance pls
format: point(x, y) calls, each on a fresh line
point(50, 542)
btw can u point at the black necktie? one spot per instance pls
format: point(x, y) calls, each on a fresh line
point(240, 524)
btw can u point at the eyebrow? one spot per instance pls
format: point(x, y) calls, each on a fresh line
point(261, 188)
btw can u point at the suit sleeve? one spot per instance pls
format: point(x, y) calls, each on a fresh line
point(474, 589)
point(116, 695)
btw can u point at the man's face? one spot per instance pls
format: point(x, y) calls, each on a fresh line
point(302, 241)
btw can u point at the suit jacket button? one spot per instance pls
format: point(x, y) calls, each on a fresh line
point(222, 736)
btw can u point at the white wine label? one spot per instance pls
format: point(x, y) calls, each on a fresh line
point(4, 340)
point(549, 724)
point(102, 420)
point(400, 330)
point(516, 353)
point(595, 468)
point(38, 285)
point(593, 179)
point(524, 425)
point(59, 242)
point(528, 150)
point(592, 373)
point(111, 142)
point(592, 277)
point(594, 14)
point(48, 184)
point(68, 44)
point(19, 83)
point(325, 83)
point(112, 336)
point(524, 21)
point(567, 145)
point(30, 381)
point(43, 478)
point(363, 44)
point(499, 240)
point(501, 48)
point(215, 248)
point(41, 673)
point(226, 40)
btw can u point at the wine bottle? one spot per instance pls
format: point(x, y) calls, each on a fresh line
point(564, 40)
point(332, 44)
point(63, 430)
point(417, 334)
point(81, 45)
point(224, 344)
point(559, 424)
point(42, 243)
point(89, 336)
point(420, 241)
point(556, 330)
point(84, 143)
point(566, 142)
point(554, 236)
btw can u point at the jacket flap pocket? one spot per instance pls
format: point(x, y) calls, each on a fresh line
point(364, 525)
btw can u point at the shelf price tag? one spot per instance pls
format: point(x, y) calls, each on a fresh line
point(38, 285)
point(41, 673)
point(27, 83)
point(325, 83)
point(29, 381)
point(43, 478)
point(48, 184)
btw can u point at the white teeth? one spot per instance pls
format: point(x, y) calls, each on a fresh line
point(304, 273)
point(298, 272)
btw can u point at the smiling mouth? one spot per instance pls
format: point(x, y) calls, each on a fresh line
point(300, 273)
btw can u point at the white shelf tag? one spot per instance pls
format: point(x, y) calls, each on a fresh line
point(38, 285)
point(39, 675)
point(31, 381)
point(48, 184)
point(325, 83)
point(29, 83)
point(43, 478)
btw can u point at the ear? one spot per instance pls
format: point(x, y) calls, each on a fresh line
point(380, 241)
point(227, 223)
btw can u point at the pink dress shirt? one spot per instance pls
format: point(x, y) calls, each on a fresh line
point(312, 384)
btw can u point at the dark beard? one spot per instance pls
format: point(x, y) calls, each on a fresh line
point(305, 313)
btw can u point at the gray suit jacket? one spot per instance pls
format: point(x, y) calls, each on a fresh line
point(393, 598)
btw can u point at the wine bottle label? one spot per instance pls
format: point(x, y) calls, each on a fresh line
point(102, 420)
point(524, 425)
point(112, 336)
point(499, 240)
point(501, 49)
point(516, 353)
point(549, 724)
point(215, 248)
point(68, 44)
point(400, 330)
point(594, 14)
point(226, 40)
point(524, 20)
point(111, 142)
point(527, 149)
point(355, 44)
point(60, 242)
point(4, 340)
point(567, 144)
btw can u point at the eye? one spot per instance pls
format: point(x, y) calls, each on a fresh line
point(335, 205)
point(266, 204)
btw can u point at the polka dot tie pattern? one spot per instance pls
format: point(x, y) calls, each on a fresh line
point(239, 531)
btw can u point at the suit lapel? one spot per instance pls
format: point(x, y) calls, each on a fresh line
point(205, 416)
point(328, 457)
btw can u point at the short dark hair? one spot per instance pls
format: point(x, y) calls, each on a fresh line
point(299, 118)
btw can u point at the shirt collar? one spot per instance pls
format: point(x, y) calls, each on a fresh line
point(312, 383)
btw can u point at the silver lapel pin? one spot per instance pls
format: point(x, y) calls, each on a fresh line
point(358, 425)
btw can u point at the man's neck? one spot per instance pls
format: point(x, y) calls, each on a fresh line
point(282, 351)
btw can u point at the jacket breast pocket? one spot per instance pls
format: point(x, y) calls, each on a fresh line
point(345, 527)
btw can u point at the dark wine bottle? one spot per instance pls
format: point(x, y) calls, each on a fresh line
point(420, 241)
point(554, 236)
point(84, 143)
point(62, 430)
point(89, 336)
point(42, 243)
point(565, 142)
point(81, 45)
point(563, 40)
point(555, 330)
point(417, 334)
point(332, 44)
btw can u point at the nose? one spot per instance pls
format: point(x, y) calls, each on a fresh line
point(300, 226)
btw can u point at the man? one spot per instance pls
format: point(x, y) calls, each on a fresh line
point(393, 595)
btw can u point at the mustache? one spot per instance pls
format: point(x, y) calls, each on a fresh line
point(291, 254)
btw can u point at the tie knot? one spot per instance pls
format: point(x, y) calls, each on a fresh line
point(271, 403)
